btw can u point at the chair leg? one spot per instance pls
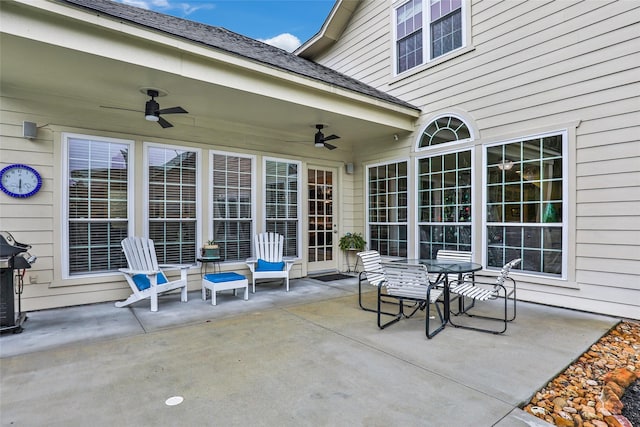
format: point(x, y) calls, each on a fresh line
point(183, 294)
point(396, 316)
point(154, 301)
point(443, 321)
point(371, 309)
point(367, 308)
point(505, 319)
point(360, 295)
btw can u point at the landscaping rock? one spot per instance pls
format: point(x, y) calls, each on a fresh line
point(592, 391)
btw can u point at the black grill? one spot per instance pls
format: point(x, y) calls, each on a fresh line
point(13, 256)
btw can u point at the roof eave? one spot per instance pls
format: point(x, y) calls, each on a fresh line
point(331, 30)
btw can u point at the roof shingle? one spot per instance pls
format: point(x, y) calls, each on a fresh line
point(233, 43)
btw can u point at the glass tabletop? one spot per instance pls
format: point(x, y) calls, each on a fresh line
point(445, 266)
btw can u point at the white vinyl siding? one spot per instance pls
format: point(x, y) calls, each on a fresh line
point(537, 67)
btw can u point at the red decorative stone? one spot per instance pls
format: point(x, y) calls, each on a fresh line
point(622, 376)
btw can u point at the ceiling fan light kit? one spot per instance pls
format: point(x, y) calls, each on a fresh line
point(152, 110)
point(321, 140)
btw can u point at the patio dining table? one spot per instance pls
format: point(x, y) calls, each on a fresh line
point(443, 268)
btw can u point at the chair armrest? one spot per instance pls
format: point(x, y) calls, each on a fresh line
point(175, 266)
point(251, 263)
point(134, 272)
point(289, 261)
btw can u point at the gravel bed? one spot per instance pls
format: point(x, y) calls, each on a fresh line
point(588, 393)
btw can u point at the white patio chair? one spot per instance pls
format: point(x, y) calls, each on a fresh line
point(410, 282)
point(145, 276)
point(464, 256)
point(372, 272)
point(478, 291)
point(268, 262)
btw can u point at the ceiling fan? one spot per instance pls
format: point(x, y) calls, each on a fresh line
point(152, 110)
point(321, 140)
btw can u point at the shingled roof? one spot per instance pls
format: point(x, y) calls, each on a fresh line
point(232, 43)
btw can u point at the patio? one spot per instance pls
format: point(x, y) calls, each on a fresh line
point(306, 357)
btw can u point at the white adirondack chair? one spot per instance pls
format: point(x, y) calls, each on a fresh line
point(268, 262)
point(144, 275)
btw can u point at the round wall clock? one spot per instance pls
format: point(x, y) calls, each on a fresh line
point(20, 180)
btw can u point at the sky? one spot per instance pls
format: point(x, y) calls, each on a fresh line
point(282, 23)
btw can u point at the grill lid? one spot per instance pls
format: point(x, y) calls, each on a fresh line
point(9, 247)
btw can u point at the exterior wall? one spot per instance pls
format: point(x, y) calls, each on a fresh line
point(38, 220)
point(532, 67)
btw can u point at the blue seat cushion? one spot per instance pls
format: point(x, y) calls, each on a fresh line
point(269, 266)
point(142, 281)
point(223, 277)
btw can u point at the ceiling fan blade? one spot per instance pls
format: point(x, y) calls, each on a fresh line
point(330, 137)
point(329, 146)
point(165, 124)
point(120, 108)
point(172, 110)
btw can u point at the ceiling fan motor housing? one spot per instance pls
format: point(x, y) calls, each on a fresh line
point(151, 110)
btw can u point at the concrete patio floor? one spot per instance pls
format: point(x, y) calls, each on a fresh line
point(309, 357)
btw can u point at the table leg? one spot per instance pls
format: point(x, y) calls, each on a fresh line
point(447, 302)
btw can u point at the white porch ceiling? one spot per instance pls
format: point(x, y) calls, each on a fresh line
point(80, 85)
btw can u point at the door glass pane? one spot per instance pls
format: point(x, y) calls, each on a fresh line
point(320, 232)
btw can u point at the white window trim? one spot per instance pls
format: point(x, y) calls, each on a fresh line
point(64, 226)
point(209, 196)
point(474, 203)
point(298, 198)
point(145, 185)
point(427, 61)
point(565, 200)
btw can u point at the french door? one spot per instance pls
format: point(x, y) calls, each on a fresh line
point(321, 238)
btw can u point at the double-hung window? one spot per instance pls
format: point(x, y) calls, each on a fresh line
point(525, 202)
point(97, 203)
point(436, 24)
point(172, 188)
point(387, 208)
point(282, 180)
point(233, 188)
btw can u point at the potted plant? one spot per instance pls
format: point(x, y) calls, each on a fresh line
point(352, 241)
point(210, 250)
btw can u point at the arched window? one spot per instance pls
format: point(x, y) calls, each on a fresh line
point(444, 129)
